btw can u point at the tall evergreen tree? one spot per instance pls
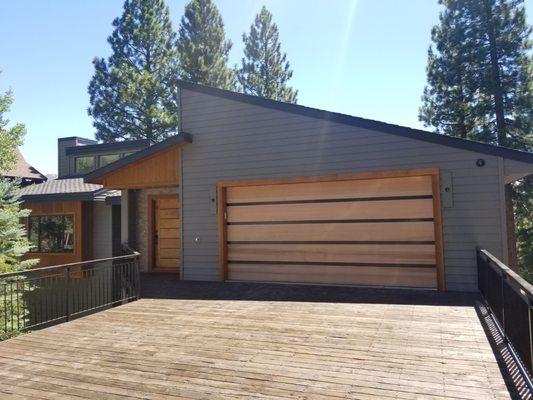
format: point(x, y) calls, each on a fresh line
point(13, 241)
point(449, 95)
point(10, 138)
point(203, 48)
point(479, 73)
point(133, 94)
point(479, 87)
point(265, 70)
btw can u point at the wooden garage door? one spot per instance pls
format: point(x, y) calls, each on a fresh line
point(357, 230)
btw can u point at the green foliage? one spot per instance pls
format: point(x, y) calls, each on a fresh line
point(203, 48)
point(479, 73)
point(523, 208)
point(13, 244)
point(133, 94)
point(13, 238)
point(10, 138)
point(265, 70)
point(479, 87)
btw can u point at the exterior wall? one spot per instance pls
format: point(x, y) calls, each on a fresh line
point(102, 230)
point(234, 140)
point(63, 163)
point(141, 220)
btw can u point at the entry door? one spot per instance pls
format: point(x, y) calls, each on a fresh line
point(166, 234)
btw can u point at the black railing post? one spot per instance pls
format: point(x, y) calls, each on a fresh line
point(529, 311)
point(67, 292)
point(137, 276)
point(504, 325)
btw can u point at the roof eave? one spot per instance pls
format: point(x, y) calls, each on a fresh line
point(419, 134)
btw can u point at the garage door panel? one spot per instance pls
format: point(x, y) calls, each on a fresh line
point(333, 274)
point(342, 189)
point(353, 210)
point(332, 253)
point(378, 232)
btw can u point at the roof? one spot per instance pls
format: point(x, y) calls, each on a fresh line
point(65, 189)
point(178, 139)
point(114, 146)
point(398, 130)
point(23, 170)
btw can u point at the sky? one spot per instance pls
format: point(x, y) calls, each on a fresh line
point(360, 57)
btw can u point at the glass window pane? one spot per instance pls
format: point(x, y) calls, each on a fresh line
point(56, 233)
point(33, 232)
point(84, 164)
point(108, 159)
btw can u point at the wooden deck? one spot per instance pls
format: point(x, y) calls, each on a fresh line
point(226, 349)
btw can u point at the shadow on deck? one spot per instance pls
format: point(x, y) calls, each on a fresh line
point(169, 286)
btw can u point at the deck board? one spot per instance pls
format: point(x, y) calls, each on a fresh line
point(229, 349)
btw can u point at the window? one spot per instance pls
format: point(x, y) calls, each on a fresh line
point(108, 159)
point(84, 164)
point(51, 233)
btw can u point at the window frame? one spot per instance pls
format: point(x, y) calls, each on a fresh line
point(74, 237)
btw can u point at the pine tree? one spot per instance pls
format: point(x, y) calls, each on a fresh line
point(203, 48)
point(479, 87)
point(449, 94)
point(10, 138)
point(133, 94)
point(265, 70)
point(481, 70)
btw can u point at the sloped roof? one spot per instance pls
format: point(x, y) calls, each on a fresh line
point(65, 189)
point(398, 130)
point(22, 169)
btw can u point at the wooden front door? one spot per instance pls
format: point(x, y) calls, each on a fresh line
point(166, 234)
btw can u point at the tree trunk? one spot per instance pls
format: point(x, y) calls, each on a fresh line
point(512, 261)
point(496, 84)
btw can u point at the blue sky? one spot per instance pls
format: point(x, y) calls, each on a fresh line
point(359, 57)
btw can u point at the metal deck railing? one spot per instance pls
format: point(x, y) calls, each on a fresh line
point(41, 297)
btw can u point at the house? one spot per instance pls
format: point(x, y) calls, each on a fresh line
point(72, 220)
point(24, 171)
point(257, 190)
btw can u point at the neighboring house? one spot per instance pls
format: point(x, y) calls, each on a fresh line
point(24, 171)
point(71, 220)
point(259, 190)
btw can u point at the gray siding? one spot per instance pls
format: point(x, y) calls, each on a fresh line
point(102, 230)
point(234, 140)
